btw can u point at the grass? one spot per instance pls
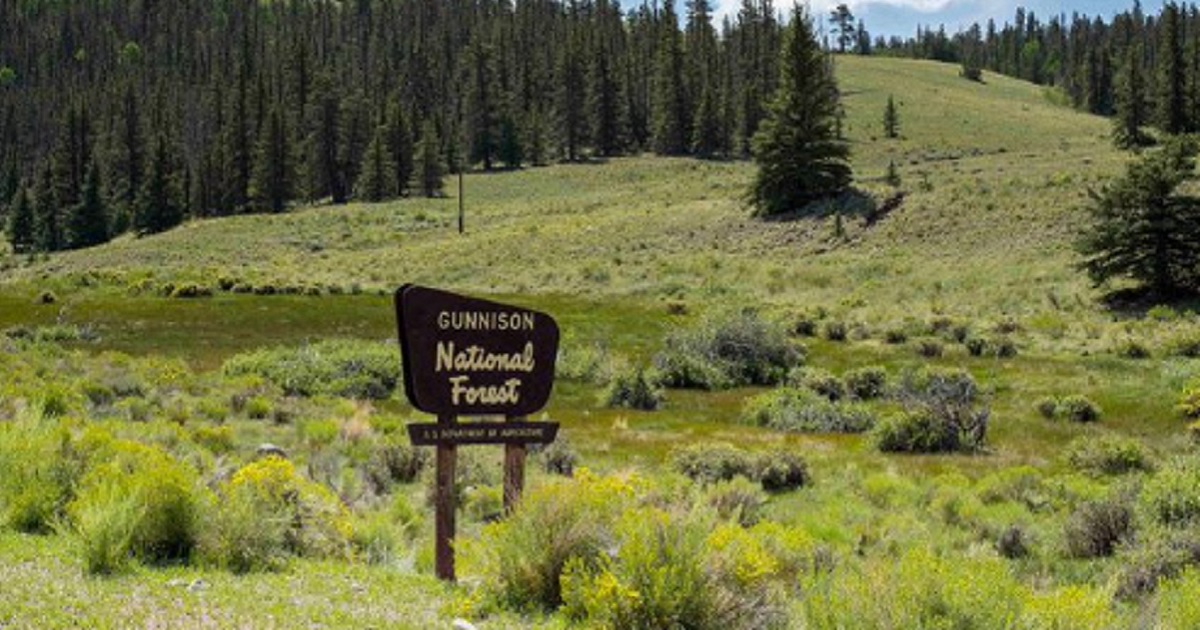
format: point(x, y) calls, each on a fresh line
point(621, 253)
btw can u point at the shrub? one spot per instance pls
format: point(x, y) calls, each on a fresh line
point(1171, 498)
point(258, 408)
point(1013, 542)
point(805, 326)
point(709, 463)
point(242, 533)
point(895, 336)
point(737, 499)
point(1004, 348)
point(1159, 557)
point(584, 364)
point(725, 351)
point(191, 290)
point(353, 369)
point(867, 383)
point(1178, 606)
point(941, 414)
point(1021, 484)
point(522, 559)
point(1078, 408)
point(558, 458)
point(930, 348)
point(1193, 431)
point(1189, 401)
point(218, 440)
point(1131, 349)
point(483, 504)
point(107, 523)
point(1186, 345)
point(165, 509)
point(1095, 528)
point(38, 473)
point(317, 523)
point(977, 346)
point(781, 470)
point(391, 461)
point(1047, 407)
point(1067, 608)
point(834, 331)
point(633, 390)
point(802, 411)
point(820, 382)
point(1108, 455)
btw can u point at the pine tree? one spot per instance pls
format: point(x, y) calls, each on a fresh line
point(271, 186)
point(892, 177)
point(1172, 77)
point(376, 177)
point(20, 228)
point(891, 119)
point(483, 100)
point(1143, 229)
point(843, 25)
point(128, 165)
point(87, 223)
point(570, 99)
point(799, 159)
point(400, 148)
point(707, 132)
point(1131, 102)
point(605, 99)
point(355, 133)
point(429, 162)
point(237, 153)
point(47, 222)
point(158, 208)
point(324, 174)
point(671, 120)
point(510, 151)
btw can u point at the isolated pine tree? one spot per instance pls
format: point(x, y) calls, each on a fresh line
point(87, 223)
point(843, 26)
point(272, 185)
point(1131, 102)
point(670, 114)
point(158, 208)
point(1143, 229)
point(375, 177)
point(891, 119)
point(429, 162)
point(892, 177)
point(796, 149)
point(20, 228)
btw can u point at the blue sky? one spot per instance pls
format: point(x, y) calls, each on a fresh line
point(901, 17)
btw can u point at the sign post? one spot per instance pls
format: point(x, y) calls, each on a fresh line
point(474, 358)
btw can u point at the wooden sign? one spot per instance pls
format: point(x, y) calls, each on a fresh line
point(469, 357)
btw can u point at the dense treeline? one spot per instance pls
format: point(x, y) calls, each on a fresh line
point(121, 115)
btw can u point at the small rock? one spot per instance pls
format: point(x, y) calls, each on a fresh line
point(197, 585)
point(176, 582)
point(463, 624)
point(270, 450)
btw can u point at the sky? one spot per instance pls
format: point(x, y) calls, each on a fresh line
point(901, 17)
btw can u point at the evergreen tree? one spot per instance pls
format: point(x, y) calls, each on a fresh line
point(355, 133)
point(271, 187)
point(158, 208)
point(375, 178)
point(510, 150)
point(605, 100)
point(1143, 229)
point(237, 153)
point(20, 228)
point(707, 132)
point(429, 162)
point(128, 164)
point(324, 174)
point(843, 26)
point(891, 119)
point(400, 147)
point(892, 177)
point(671, 120)
point(1131, 102)
point(47, 222)
point(483, 100)
point(1172, 77)
point(87, 223)
point(798, 156)
point(570, 99)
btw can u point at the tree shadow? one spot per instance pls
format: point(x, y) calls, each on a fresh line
point(853, 203)
point(1137, 302)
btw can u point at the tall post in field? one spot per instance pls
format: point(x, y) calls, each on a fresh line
point(445, 499)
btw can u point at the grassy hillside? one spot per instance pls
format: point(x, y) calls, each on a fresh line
point(623, 253)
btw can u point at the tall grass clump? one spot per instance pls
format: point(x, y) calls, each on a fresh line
point(797, 410)
point(1171, 498)
point(727, 350)
point(1178, 605)
point(712, 462)
point(1108, 455)
point(348, 368)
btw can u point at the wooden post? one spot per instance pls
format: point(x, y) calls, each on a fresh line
point(462, 211)
point(445, 499)
point(514, 476)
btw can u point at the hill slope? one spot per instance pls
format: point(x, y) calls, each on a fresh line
point(995, 175)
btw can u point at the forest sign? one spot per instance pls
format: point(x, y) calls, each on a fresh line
point(468, 357)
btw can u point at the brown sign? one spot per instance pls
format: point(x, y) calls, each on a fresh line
point(468, 357)
point(432, 434)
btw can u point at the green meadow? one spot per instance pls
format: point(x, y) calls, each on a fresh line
point(205, 342)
